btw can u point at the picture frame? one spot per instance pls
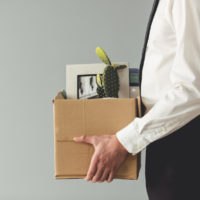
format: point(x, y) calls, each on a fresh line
point(74, 72)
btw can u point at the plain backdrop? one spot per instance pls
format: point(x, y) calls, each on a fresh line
point(37, 39)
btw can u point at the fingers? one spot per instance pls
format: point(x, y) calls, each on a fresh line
point(85, 138)
point(111, 176)
point(97, 175)
point(105, 175)
point(92, 168)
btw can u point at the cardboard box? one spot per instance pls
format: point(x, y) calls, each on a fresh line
point(76, 117)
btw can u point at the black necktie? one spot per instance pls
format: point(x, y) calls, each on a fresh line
point(155, 5)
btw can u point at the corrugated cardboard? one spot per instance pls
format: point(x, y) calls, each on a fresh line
point(76, 117)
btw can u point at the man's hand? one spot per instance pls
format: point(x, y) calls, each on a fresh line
point(107, 157)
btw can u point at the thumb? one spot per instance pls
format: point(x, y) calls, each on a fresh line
point(83, 138)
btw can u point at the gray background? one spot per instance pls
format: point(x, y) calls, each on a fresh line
point(37, 39)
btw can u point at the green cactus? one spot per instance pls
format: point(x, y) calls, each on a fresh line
point(109, 86)
point(102, 55)
point(100, 92)
point(100, 89)
point(111, 81)
point(64, 94)
point(119, 66)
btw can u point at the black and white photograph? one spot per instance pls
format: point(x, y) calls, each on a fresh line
point(86, 86)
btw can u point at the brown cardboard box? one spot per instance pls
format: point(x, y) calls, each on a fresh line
point(76, 117)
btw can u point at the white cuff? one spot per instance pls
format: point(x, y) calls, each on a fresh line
point(131, 139)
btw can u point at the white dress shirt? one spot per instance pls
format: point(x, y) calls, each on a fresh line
point(170, 86)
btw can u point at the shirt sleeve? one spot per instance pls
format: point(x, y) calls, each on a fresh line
point(181, 102)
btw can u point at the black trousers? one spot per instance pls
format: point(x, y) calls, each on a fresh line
point(173, 165)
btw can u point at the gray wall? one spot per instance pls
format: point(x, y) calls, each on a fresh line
point(37, 39)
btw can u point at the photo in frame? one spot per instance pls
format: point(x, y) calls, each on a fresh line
point(86, 86)
point(81, 80)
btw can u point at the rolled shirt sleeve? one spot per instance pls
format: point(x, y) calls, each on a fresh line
point(181, 102)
